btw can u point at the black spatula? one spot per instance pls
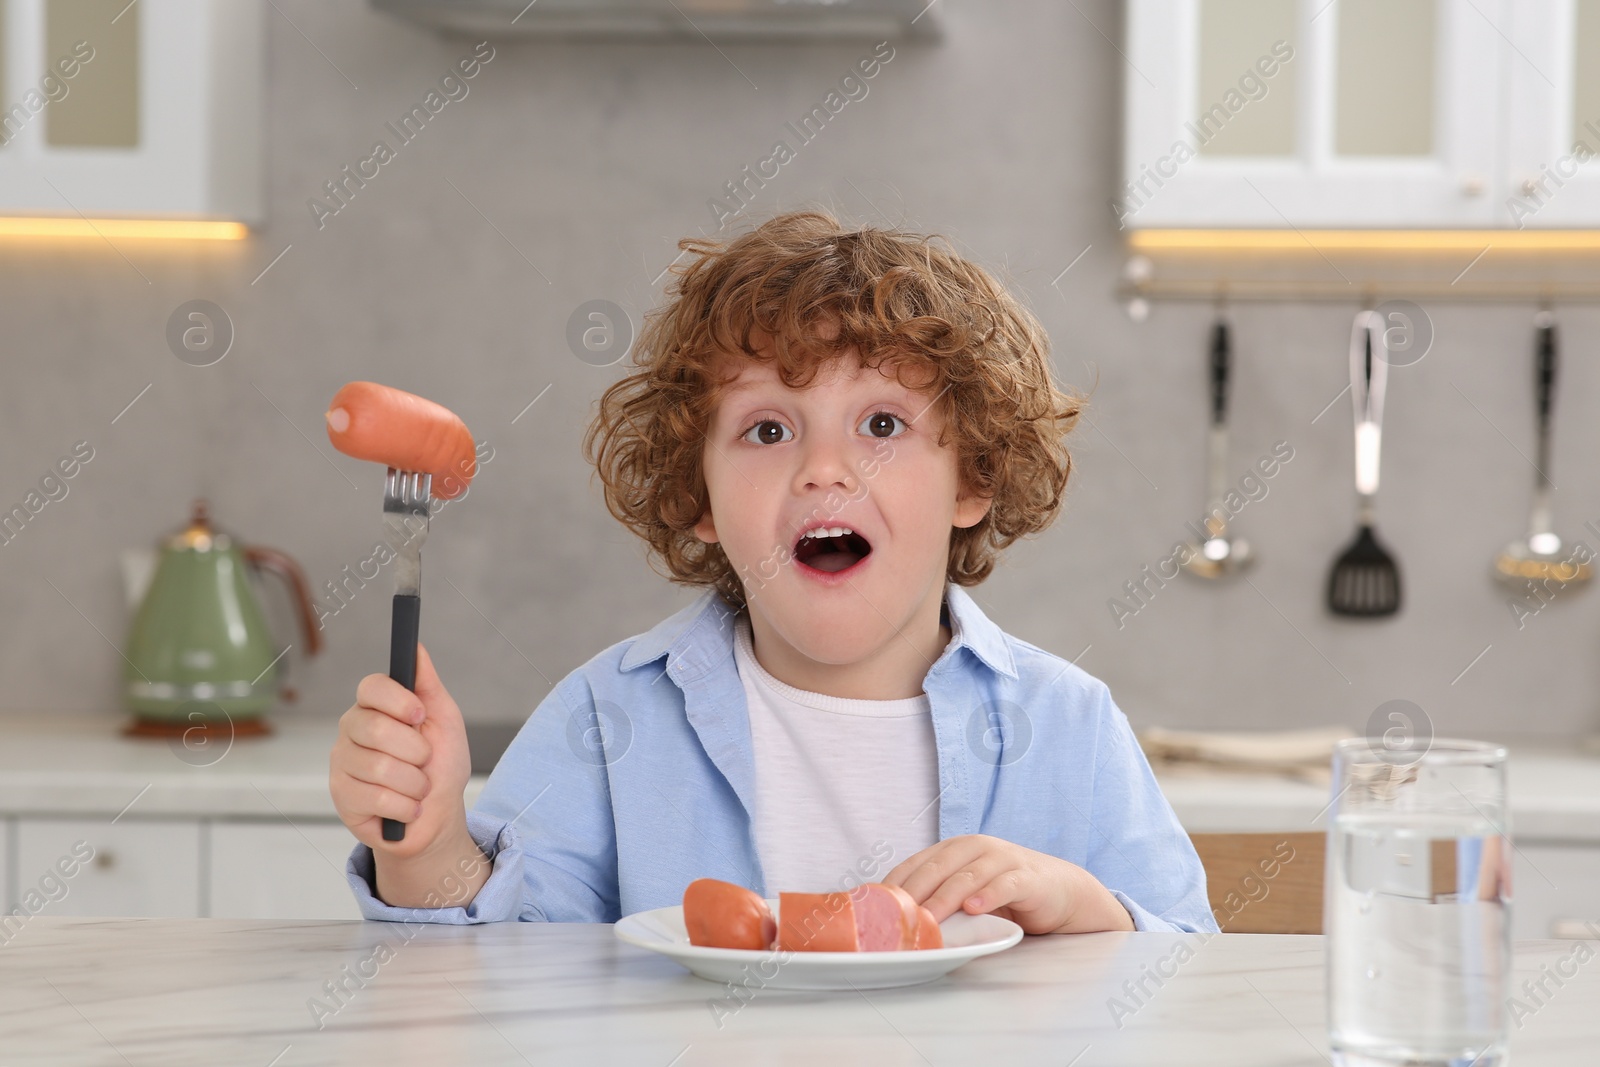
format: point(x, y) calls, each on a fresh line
point(1365, 580)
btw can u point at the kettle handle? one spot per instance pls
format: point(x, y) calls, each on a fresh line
point(286, 568)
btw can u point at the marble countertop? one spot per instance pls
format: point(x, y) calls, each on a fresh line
point(73, 765)
point(209, 991)
point(69, 765)
point(1555, 795)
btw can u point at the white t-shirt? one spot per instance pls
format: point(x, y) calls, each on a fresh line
point(845, 789)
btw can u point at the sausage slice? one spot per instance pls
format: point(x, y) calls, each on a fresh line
point(817, 922)
point(886, 917)
point(723, 915)
point(928, 933)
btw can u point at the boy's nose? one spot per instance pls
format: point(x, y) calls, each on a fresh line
point(825, 465)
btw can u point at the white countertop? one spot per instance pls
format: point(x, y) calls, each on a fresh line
point(83, 765)
point(209, 991)
point(1555, 796)
point(72, 765)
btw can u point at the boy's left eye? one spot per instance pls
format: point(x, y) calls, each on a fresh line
point(882, 424)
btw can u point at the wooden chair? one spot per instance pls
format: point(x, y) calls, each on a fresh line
point(1264, 883)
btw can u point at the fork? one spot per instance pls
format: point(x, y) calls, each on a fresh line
point(407, 499)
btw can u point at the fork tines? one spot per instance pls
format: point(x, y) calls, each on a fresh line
point(407, 506)
point(407, 493)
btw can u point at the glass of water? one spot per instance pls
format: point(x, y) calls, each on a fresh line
point(1417, 902)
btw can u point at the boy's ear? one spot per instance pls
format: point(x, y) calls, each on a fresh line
point(970, 509)
point(706, 528)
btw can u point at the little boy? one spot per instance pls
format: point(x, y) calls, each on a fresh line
point(833, 431)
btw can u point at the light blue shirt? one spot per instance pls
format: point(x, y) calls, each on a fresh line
point(631, 779)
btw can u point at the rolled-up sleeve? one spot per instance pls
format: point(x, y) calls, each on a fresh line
point(498, 900)
point(1139, 851)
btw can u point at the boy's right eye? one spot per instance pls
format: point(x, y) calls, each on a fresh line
point(768, 432)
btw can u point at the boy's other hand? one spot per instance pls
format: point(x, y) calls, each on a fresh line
point(401, 755)
point(979, 874)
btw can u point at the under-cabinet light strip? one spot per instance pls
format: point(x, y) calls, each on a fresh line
point(1175, 240)
point(166, 229)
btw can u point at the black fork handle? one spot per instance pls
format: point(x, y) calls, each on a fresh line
point(403, 634)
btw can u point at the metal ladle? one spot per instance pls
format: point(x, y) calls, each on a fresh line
point(1542, 556)
point(1219, 555)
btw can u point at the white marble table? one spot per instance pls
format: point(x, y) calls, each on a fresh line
point(207, 991)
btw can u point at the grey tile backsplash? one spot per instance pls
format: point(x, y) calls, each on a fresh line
point(565, 175)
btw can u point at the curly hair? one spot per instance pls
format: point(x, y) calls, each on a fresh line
point(801, 290)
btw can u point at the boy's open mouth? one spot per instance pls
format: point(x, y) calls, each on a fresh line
point(823, 551)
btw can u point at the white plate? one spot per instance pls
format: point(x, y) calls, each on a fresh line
point(966, 937)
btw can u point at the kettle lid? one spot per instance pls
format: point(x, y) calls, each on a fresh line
point(200, 535)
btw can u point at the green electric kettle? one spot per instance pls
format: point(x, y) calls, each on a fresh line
point(199, 654)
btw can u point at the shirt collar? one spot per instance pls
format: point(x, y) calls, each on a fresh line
point(710, 618)
point(707, 614)
point(969, 626)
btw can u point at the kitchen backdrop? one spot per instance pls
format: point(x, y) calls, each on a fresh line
point(561, 174)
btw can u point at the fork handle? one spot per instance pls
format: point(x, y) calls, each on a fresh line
point(403, 634)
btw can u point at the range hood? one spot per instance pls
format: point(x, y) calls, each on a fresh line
point(724, 20)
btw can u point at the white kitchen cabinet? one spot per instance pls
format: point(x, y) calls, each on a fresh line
point(131, 867)
point(230, 869)
point(275, 870)
point(1554, 138)
point(1555, 891)
point(150, 109)
point(252, 835)
point(1385, 113)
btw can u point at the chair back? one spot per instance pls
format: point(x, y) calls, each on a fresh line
point(1264, 883)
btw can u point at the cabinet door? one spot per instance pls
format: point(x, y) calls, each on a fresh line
point(1555, 891)
point(1553, 171)
point(1305, 113)
point(131, 867)
point(144, 109)
point(278, 871)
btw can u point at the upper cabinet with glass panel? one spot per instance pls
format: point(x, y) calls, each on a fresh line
point(143, 109)
point(1553, 138)
point(1361, 113)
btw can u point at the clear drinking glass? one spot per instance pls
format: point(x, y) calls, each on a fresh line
point(1417, 902)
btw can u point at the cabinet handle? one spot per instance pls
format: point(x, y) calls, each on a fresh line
point(105, 860)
